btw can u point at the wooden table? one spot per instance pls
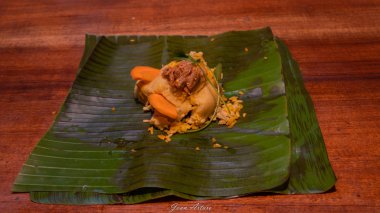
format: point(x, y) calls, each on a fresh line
point(337, 45)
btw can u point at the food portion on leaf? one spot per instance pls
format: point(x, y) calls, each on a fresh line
point(185, 96)
point(98, 151)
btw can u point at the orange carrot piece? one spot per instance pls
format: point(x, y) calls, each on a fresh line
point(162, 105)
point(144, 73)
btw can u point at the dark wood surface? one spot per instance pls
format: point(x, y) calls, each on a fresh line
point(337, 44)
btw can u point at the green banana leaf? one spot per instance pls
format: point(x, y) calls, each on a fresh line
point(98, 150)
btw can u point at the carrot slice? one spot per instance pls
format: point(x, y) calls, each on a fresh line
point(144, 73)
point(162, 105)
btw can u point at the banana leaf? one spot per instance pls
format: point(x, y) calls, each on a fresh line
point(98, 150)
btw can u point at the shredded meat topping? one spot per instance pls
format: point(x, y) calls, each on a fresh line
point(183, 76)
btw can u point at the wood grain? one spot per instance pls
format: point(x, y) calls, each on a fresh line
point(337, 45)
